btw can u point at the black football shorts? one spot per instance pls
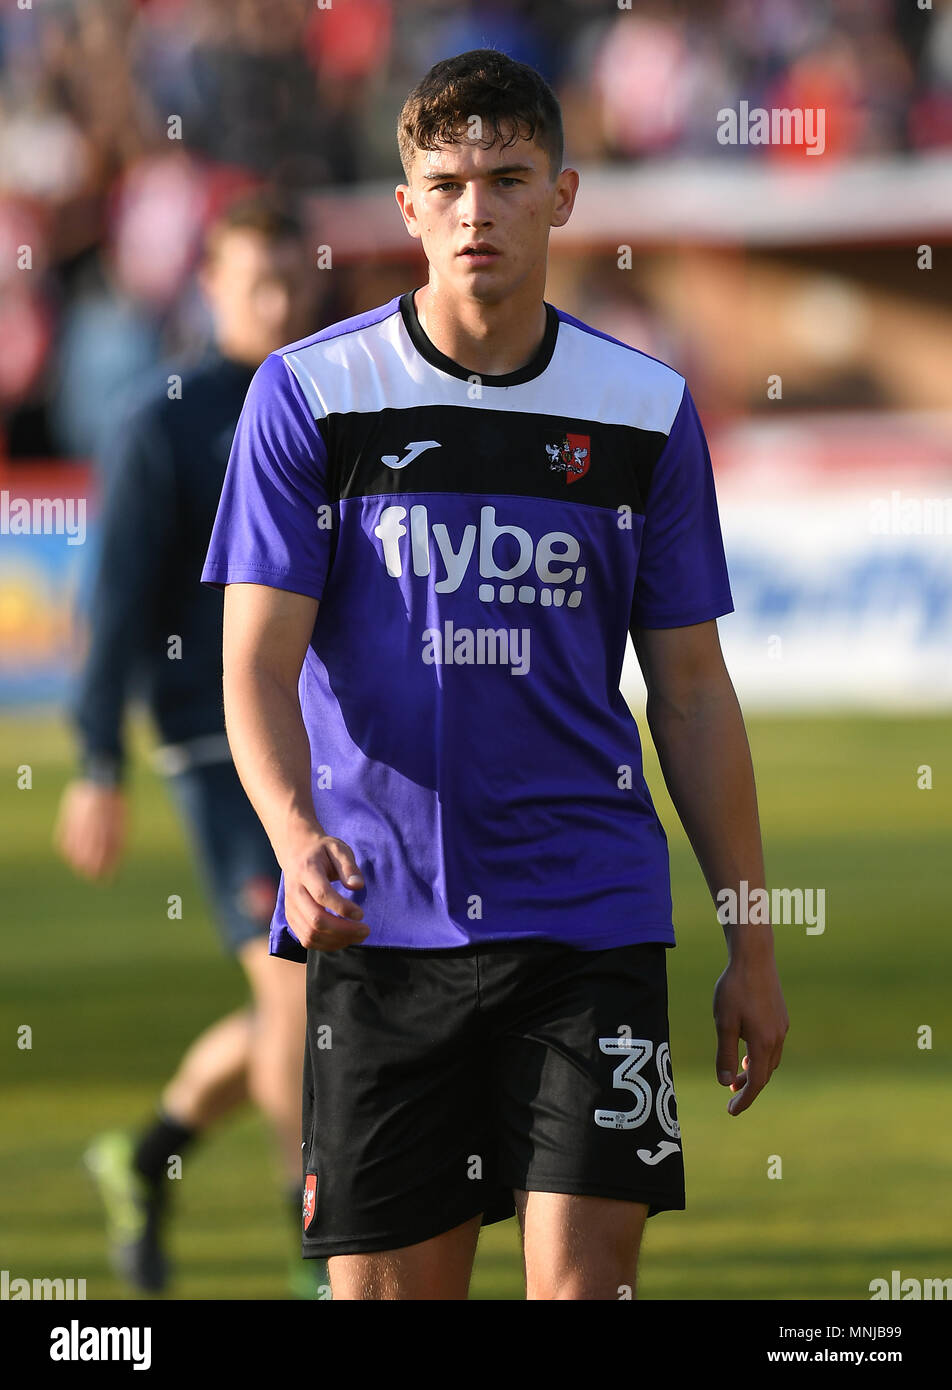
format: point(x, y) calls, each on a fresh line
point(437, 1081)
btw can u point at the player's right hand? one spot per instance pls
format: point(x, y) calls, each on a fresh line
point(90, 829)
point(321, 919)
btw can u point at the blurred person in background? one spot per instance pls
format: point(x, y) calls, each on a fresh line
point(152, 621)
point(250, 92)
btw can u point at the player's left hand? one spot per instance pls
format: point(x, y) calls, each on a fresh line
point(90, 828)
point(748, 1004)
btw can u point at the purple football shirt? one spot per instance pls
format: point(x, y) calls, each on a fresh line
point(480, 546)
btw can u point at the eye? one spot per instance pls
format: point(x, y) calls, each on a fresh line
point(502, 179)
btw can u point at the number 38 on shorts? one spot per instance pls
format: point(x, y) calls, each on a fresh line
point(633, 1073)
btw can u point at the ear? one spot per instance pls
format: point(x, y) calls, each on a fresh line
point(566, 188)
point(404, 197)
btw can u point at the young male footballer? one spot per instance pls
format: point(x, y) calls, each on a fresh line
point(440, 521)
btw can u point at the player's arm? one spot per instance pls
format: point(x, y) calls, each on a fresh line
point(270, 551)
point(266, 636)
point(137, 518)
point(698, 731)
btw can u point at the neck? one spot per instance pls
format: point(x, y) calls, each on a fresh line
point(247, 354)
point(492, 339)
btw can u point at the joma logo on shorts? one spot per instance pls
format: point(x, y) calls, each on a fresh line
point(549, 566)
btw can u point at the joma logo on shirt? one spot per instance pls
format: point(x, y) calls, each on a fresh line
point(550, 562)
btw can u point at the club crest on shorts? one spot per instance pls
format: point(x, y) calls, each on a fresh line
point(572, 457)
point(310, 1199)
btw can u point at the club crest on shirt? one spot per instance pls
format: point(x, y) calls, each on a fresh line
point(310, 1199)
point(572, 457)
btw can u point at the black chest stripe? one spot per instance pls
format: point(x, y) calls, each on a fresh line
point(475, 449)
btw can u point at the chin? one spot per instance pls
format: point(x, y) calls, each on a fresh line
point(487, 289)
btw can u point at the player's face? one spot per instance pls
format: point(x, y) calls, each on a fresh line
point(502, 200)
point(262, 293)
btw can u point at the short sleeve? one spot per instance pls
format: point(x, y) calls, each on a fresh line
point(273, 522)
point(682, 571)
point(131, 573)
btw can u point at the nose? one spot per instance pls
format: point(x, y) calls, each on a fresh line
point(474, 211)
point(273, 302)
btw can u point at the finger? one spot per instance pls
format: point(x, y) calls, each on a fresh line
point(323, 931)
point(66, 837)
point(109, 863)
point(749, 1087)
point(82, 856)
point(328, 938)
point(99, 848)
point(344, 862)
point(726, 1060)
point(773, 1059)
point(312, 918)
point(740, 1079)
point(321, 894)
point(97, 853)
point(112, 852)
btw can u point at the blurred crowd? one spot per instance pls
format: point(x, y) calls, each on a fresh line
point(125, 124)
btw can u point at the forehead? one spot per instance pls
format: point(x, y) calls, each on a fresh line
point(256, 251)
point(471, 156)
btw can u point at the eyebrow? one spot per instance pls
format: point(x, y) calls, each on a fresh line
point(500, 169)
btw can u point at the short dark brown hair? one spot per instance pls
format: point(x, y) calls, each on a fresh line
point(267, 211)
point(510, 98)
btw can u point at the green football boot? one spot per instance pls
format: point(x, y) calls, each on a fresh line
point(134, 1211)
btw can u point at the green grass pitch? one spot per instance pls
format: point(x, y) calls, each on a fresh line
point(858, 1113)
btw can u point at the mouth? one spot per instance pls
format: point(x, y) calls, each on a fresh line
point(479, 253)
